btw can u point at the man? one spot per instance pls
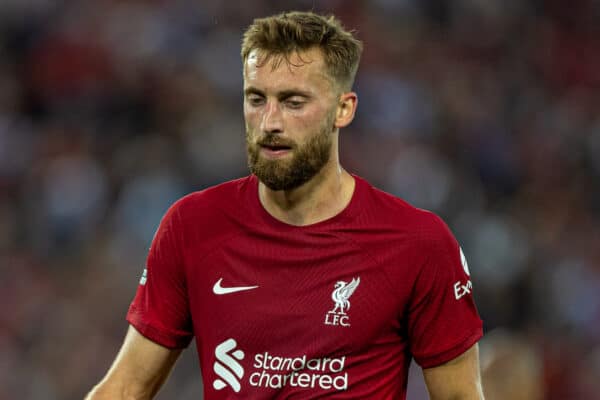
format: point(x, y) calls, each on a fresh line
point(301, 280)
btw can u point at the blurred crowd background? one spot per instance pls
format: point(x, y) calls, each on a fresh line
point(486, 112)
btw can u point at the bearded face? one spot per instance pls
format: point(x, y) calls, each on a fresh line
point(304, 159)
point(291, 105)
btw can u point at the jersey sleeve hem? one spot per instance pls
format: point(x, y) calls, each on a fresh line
point(155, 334)
point(448, 355)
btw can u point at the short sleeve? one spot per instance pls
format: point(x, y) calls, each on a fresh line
point(160, 309)
point(442, 318)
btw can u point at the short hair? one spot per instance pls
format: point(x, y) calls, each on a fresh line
point(290, 32)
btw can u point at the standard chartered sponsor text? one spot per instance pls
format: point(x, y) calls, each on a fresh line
point(277, 372)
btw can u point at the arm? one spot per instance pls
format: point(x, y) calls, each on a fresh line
point(138, 372)
point(458, 379)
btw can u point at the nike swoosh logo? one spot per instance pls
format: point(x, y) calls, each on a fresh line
point(218, 289)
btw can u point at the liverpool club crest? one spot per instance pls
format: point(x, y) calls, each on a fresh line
point(341, 297)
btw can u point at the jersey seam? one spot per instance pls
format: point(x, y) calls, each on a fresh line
point(472, 336)
point(153, 331)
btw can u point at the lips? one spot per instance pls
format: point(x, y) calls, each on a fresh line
point(276, 147)
point(275, 150)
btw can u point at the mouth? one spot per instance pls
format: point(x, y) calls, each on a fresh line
point(275, 150)
point(275, 147)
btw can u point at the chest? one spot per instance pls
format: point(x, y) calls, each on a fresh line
point(313, 295)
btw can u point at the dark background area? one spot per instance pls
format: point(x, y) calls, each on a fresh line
point(486, 112)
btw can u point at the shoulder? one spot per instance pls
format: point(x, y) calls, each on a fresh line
point(216, 207)
point(202, 219)
point(216, 194)
point(399, 212)
point(221, 196)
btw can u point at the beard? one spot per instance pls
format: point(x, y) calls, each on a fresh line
point(306, 159)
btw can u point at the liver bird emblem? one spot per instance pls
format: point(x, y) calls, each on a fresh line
point(342, 293)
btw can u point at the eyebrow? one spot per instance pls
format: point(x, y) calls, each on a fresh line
point(284, 94)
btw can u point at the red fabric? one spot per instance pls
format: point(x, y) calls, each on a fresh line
point(404, 305)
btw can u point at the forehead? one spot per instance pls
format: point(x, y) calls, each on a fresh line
point(275, 71)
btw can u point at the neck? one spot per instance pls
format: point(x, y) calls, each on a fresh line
point(321, 198)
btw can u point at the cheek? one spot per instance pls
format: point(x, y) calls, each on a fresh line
point(308, 120)
point(250, 116)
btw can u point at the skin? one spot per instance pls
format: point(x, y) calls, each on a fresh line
point(458, 379)
point(138, 372)
point(293, 102)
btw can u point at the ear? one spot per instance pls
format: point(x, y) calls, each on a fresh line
point(346, 108)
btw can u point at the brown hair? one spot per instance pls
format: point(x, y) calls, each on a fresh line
point(286, 33)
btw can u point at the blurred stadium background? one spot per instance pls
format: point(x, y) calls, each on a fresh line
point(486, 112)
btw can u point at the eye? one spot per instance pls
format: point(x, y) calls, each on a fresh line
point(294, 104)
point(255, 100)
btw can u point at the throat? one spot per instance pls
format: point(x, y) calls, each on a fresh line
point(309, 204)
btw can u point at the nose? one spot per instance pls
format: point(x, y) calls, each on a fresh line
point(272, 120)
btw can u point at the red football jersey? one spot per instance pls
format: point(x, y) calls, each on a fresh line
point(334, 309)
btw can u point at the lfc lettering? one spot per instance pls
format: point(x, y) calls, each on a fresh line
point(334, 319)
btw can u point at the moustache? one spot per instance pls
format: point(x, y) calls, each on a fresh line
point(275, 141)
